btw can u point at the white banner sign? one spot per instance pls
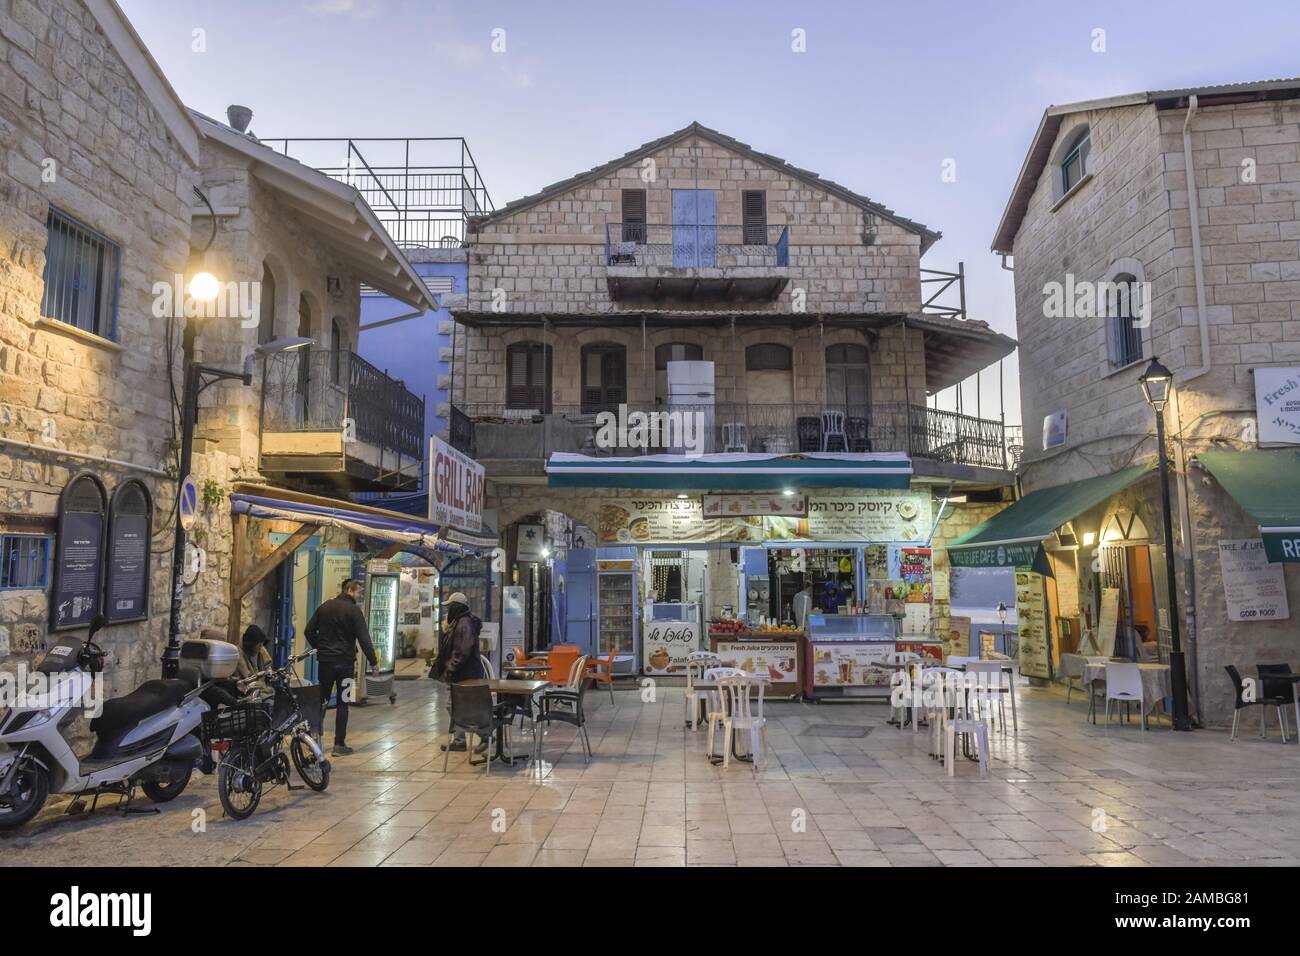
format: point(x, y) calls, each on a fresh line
point(666, 645)
point(455, 488)
point(1254, 589)
point(1277, 405)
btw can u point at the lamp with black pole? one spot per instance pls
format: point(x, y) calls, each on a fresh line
point(1157, 381)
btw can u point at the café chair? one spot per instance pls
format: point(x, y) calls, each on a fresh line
point(716, 707)
point(473, 713)
point(740, 717)
point(966, 725)
point(696, 663)
point(833, 431)
point(601, 671)
point(1124, 683)
point(988, 676)
point(1240, 703)
point(568, 697)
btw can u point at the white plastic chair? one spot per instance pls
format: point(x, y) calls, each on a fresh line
point(966, 726)
point(735, 437)
point(696, 663)
point(1124, 682)
point(741, 717)
point(988, 676)
point(833, 430)
point(716, 710)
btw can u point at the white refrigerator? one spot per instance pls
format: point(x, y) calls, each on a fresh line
point(691, 393)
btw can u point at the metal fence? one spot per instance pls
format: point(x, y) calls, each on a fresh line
point(696, 246)
point(324, 390)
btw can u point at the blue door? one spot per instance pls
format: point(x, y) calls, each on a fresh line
point(695, 228)
point(580, 598)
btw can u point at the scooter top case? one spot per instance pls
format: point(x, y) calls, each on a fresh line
point(142, 721)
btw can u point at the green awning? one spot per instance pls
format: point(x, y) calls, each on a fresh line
point(1266, 483)
point(1014, 536)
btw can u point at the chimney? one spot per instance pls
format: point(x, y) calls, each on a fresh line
point(239, 117)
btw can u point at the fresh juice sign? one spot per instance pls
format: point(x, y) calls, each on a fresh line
point(455, 488)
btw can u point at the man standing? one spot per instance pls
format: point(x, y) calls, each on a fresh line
point(802, 604)
point(458, 657)
point(335, 630)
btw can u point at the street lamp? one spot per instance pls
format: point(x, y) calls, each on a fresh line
point(197, 378)
point(1002, 618)
point(1156, 382)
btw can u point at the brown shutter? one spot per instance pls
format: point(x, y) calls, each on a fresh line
point(754, 211)
point(634, 225)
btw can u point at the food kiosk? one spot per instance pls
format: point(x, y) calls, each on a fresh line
point(843, 653)
point(777, 652)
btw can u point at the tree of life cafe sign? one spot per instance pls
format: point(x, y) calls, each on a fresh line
point(455, 488)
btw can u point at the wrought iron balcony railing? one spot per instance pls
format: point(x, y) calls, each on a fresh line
point(500, 433)
point(696, 246)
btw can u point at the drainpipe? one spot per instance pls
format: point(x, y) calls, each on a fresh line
point(82, 456)
point(1202, 320)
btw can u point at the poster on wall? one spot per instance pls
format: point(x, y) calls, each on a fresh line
point(777, 659)
point(126, 579)
point(870, 516)
point(851, 665)
point(1254, 588)
point(531, 543)
point(1031, 619)
point(78, 553)
point(959, 636)
point(1277, 405)
point(666, 645)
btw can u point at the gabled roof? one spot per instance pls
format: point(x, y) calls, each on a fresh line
point(928, 236)
point(1049, 126)
point(336, 211)
point(146, 73)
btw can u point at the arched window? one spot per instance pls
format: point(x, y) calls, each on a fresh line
point(528, 376)
point(266, 306)
point(336, 352)
point(672, 352)
point(604, 377)
point(1074, 165)
point(848, 379)
point(1122, 301)
point(768, 374)
point(304, 356)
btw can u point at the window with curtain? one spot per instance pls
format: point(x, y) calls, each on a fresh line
point(528, 376)
point(604, 377)
point(848, 379)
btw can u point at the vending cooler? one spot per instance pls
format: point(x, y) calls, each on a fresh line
point(382, 589)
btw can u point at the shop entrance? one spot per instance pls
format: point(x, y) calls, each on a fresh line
point(790, 569)
point(1127, 570)
point(299, 594)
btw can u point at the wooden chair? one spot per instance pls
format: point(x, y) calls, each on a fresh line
point(601, 671)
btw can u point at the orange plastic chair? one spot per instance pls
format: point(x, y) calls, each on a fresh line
point(561, 660)
point(602, 671)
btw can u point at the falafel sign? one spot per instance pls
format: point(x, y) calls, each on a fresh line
point(455, 488)
point(667, 644)
point(671, 521)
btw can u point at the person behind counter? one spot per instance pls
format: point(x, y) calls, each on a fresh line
point(831, 599)
point(802, 605)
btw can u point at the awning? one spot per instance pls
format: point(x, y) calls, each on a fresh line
point(732, 471)
point(358, 519)
point(1266, 483)
point(1014, 536)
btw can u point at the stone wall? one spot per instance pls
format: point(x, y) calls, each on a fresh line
point(80, 134)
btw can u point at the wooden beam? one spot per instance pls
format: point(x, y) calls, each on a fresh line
point(238, 527)
point(241, 586)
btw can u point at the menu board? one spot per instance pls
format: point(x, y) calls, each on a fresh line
point(127, 588)
point(77, 568)
point(840, 664)
point(666, 645)
point(1254, 588)
point(671, 521)
point(1107, 622)
point(871, 516)
point(1031, 618)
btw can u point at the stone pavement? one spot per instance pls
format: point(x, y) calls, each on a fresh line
point(841, 788)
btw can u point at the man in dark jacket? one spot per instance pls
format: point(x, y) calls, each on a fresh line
point(458, 656)
point(335, 630)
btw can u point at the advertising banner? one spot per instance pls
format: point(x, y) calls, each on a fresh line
point(455, 487)
point(666, 645)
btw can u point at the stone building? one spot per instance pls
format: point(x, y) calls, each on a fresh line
point(1205, 276)
point(114, 197)
point(799, 301)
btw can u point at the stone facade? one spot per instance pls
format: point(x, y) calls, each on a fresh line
point(81, 134)
point(1132, 216)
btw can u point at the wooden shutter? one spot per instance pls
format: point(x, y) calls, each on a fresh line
point(604, 377)
point(528, 376)
point(634, 225)
point(754, 211)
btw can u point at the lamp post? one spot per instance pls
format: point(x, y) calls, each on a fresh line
point(1156, 383)
point(1002, 618)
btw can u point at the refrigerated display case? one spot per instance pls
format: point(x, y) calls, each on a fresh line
point(382, 591)
point(843, 651)
point(616, 626)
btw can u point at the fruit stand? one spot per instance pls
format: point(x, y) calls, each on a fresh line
point(777, 651)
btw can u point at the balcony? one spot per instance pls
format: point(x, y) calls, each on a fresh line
point(509, 438)
point(333, 418)
point(655, 262)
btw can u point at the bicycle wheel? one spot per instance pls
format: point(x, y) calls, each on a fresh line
point(237, 784)
point(314, 772)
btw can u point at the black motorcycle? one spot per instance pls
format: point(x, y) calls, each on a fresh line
point(250, 736)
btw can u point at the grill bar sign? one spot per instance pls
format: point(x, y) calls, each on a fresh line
point(455, 488)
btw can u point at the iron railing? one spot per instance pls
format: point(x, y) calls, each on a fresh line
point(422, 189)
point(695, 246)
point(919, 431)
point(462, 432)
point(323, 390)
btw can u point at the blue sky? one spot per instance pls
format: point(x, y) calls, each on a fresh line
point(883, 95)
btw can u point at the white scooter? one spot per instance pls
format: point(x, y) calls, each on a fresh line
point(150, 738)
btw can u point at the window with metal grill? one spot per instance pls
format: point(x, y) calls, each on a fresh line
point(82, 273)
point(754, 211)
point(1122, 309)
point(528, 376)
point(634, 225)
point(24, 561)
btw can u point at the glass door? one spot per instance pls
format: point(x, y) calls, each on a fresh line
point(615, 613)
point(381, 615)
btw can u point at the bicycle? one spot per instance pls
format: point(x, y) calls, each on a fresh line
point(252, 733)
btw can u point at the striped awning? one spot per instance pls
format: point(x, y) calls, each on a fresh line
point(738, 471)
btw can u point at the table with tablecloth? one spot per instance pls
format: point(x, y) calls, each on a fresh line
point(1156, 682)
